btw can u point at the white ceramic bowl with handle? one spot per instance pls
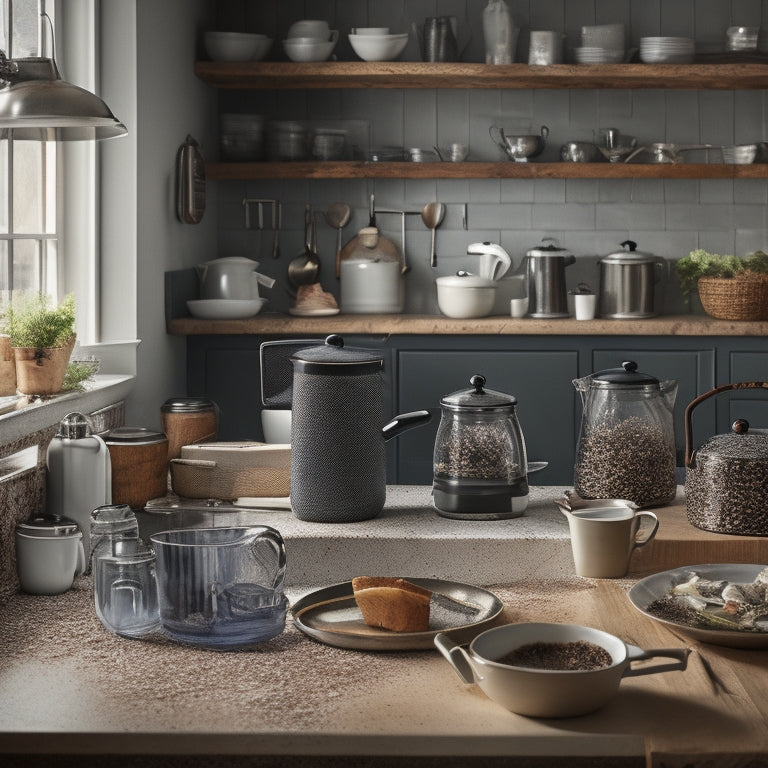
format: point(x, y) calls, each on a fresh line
point(464, 295)
point(546, 692)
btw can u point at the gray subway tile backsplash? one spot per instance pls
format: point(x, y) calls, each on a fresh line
point(668, 217)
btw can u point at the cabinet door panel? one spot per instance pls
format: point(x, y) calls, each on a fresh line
point(541, 382)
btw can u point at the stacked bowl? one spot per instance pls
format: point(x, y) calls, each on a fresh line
point(666, 50)
point(242, 137)
point(310, 40)
point(601, 44)
point(377, 44)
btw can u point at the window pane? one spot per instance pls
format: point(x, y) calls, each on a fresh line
point(5, 274)
point(27, 186)
point(4, 186)
point(26, 28)
point(26, 265)
point(49, 268)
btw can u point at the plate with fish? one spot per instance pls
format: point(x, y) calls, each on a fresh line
point(722, 604)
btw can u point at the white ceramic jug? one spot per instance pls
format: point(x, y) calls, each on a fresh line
point(231, 277)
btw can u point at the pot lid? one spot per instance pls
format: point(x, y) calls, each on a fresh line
point(332, 358)
point(47, 526)
point(111, 518)
point(479, 398)
point(552, 249)
point(464, 279)
point(134, 436)
point(626, 376)
point(737, 444)
point(188, 405)
point(631, 256)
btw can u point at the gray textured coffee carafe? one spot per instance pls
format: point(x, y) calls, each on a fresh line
point(338, 462)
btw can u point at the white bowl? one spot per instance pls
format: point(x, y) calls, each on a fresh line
point(547, 692)
point(308, 49)
point(225, 309)
point(378, 47)
point(236, 46)
point(464, 297)
point(316, 28)
point(276, 425)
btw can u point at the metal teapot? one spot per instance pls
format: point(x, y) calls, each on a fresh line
point(726, 478)
point(626, 447)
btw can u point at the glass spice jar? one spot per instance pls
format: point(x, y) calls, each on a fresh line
point(188, 420)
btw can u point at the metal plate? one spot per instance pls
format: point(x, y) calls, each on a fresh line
point(331, 616)
point(657, 585)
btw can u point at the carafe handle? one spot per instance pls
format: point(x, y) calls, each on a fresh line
point(262, 533)
point(716, 391)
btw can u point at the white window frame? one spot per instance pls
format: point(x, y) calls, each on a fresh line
point(98, 219)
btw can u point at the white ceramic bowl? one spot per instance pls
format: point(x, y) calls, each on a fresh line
point(545, 692)
point(276, 425)
point(378, 47)
point(464, 297)
point(236, 46)
point(308, 49)
point(316, 28)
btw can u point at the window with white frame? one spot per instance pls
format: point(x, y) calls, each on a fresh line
point(29, 206)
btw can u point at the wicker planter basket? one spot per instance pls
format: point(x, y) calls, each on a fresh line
point(735, 298)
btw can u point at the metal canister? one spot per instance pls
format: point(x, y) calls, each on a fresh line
point(627, 283)
point(545, 272)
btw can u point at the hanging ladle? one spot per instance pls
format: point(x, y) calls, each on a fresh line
point(304, 268)
point(432, 216)
point(337, 216)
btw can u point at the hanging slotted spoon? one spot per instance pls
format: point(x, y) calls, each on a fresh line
point(304, 268)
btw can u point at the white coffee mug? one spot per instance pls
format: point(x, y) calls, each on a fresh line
point(47, 565)
point(585, 305)
point(604, 538)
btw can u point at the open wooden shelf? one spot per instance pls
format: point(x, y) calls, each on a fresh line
point(481, 170)
point(406, 74)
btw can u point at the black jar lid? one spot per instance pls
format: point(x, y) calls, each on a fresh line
point(479, 398)
point(48, 526)
point(334, 359)
point(134, 436)
point(188, 405)
point(627, 376)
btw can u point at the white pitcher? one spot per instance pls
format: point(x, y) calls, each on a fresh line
point(231, 277)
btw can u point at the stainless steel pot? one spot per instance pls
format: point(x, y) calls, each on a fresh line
point(627, 281)
point(545, 273)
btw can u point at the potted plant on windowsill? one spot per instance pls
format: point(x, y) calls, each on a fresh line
point(730, 287)
point(42, 337)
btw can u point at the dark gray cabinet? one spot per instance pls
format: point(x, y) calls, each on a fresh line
point(537, 370)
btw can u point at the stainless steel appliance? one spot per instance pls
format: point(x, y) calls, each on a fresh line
point(627, 283)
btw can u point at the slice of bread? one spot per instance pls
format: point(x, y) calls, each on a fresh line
point(392, 603)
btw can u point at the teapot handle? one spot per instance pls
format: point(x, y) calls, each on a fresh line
point(499, 138)
point(701, 399)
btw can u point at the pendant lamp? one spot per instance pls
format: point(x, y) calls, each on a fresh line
point(39, 106)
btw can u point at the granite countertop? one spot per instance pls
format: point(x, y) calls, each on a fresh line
point(70, 688)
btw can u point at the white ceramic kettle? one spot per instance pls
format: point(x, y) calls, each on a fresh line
point(231, 277)
point(495, 262)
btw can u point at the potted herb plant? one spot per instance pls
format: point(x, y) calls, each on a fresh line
point(42, 336)
point(730, 287)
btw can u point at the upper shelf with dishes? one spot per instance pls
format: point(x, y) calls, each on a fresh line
point(709, 75)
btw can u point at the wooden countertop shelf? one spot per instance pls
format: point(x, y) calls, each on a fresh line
point(481, 170)
point(406, 74)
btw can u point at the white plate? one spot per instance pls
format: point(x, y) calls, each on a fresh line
point(225, 309)
point(657, 585)
point(321, 312)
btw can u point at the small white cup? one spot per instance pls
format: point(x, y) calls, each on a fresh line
point(604, 538)
point(276, 425)
point(518, 307)
point(47, 565)
point(584, 305)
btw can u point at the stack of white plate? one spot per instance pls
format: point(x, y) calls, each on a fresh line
point(591, 55)
point(666, 50)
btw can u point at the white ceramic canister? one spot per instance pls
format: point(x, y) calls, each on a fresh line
point(371, 286)
point(49, 554)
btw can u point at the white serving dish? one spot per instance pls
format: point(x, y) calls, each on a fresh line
point(225, 309)
point(309, 49)
point(464, 297)
point(378, 47)
point(236, 46)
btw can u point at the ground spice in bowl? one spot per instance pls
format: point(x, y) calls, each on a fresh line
point(578, 655)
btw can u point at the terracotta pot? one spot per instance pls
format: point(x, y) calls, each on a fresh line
point(40, 370)
point(7, 367)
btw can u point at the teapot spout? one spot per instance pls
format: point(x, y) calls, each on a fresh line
point(582, 385)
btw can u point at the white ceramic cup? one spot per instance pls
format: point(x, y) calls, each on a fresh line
point(276, 424)
point(370, 31)
point(518, 307)
point(604, 538)
point(47, 565)
point(585, 306)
